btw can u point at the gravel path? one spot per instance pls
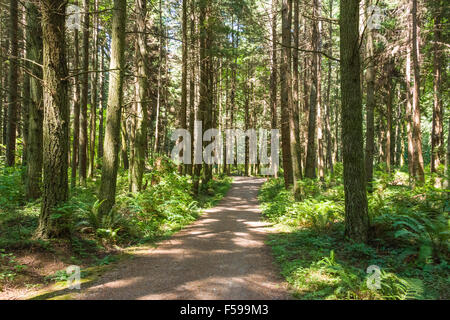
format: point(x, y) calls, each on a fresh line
point(220, 256)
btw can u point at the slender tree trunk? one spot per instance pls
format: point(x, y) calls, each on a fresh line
point(192, 83)
point(76, 112)
point(437, 135)
point(94, 93)
point(114, 109)
point(56, 118)
point(310, 166)
point(273, 74)
point(295, 117)
point(417, 134)
point(183, 111)
point(409, 112)
point(102, 102)
point(389, 98)
point(356, 211)
point(35, 124)
point(26, 89)
point(286, 94)
point(13, 75)
point(370, 104)
point(82, 157)
point(137, 161)
point(123, 144)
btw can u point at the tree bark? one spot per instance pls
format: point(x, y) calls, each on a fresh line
point(417, 134)
point(56, 118)
point(286, 93)
point(82, 157)
point(273, 74)
point(356, 211)
point(36, 108)
point(13, 75)
point(94, 93)
point(370, 105)
point(437, 135)
point(137, 147)
point(114, 109)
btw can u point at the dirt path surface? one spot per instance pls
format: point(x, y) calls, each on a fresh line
point(220, 256)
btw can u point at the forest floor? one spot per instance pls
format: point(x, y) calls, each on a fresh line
point(222, 255)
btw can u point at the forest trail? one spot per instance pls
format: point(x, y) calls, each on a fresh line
point(220, 256)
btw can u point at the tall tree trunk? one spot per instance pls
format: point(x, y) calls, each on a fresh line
point(327, 104)
point(356, 211)
point(82, 157)
point(56, 117)
point(437, 135)
point(76, 111)
point(94, 93)
point(310, 165)
point(409, 112)
point(114, 108)
point(295, 116)
point(192, 61)
point(286, 94)
point(389, 99)
point(137, 160)
point(102, 103)
point(417, 134)
point(183, 111)
point(370, 104)
point(36, 108)
point(13, 75)
point(273, 74)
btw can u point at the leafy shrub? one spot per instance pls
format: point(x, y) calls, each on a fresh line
point(11, 188)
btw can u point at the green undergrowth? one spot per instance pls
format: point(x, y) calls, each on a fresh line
point(165, 205)
point(409, 240)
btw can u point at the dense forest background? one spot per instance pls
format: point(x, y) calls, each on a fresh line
point(91, 92)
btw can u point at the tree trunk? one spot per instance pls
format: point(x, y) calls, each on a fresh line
point(356, 212)
point(82, 157)
point(56, 118)
point(137, 147)
point(183, 111)
point(13, 75)
point(36, 108)
point(76, 112)
point(437, 135)
point(273, 74)
point(310, 165)
point(370, 105)
point(417, 134)
point(114, 108)
point(294, 119)
point(286, 94)
point(94, 93)
point(102, 102)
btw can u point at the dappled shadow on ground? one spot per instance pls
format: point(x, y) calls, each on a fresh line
point(221, 256)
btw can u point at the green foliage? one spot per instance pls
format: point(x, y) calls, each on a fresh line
point(11, 188)
point(9, 267)
point(410, 239)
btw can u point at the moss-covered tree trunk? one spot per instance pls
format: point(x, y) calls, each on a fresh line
point(36, 107)
point(356, 215)
point(56, 116)
point(114, 109)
